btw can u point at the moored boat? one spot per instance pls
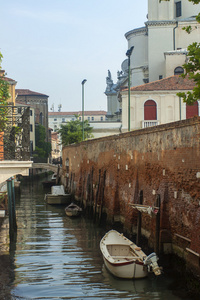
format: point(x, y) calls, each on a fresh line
point(124, 259)
point(57, 196)
point(73, 210)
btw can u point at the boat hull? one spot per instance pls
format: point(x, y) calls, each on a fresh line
point(73, 213)
point(57, 199)
point(129, 270)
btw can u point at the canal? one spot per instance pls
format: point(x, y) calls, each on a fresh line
point(56, 257)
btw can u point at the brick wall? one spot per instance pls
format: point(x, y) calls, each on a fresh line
point(109, 173)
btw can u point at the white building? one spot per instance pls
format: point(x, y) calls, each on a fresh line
point(97, 120)
point(157, 103)
point(160, 47)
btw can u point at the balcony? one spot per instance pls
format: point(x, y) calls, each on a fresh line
point(14, 141)
point(149, 123)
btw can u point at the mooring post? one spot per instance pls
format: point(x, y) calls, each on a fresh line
point(13, 204)
point(157, 233)
point(11, 208)
point(139, 220)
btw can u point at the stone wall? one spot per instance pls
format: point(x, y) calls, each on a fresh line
point(108, 174)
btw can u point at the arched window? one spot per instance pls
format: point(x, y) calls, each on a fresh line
point(150, 110)
point(178, 71)
point(192, 110)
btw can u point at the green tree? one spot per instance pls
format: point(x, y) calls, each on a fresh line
point(4, 96)
point(192, 67)
point(42, 148)
point(72, 131)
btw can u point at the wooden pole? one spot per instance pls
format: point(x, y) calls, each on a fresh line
point(11, 208)
point(13, 205)
point(157, 233)
point(139, 220)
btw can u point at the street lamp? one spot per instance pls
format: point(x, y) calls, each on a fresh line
point(83, 82)
point(128, 53)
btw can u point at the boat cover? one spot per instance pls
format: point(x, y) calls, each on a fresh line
point(57, 190)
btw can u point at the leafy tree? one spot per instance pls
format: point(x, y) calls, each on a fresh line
point(192, 67)
point(42, 148)
point(72, 132)
point(4, 96)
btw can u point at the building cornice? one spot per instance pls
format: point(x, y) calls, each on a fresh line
point(161, 23)
point(141, 30)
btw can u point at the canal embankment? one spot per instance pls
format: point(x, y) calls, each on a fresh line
point(156, 167)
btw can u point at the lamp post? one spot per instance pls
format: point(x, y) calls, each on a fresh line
point(83, 82)
point(128, 54)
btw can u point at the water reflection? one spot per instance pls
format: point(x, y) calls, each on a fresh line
point(59, 258)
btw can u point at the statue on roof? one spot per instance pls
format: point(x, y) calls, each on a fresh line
point(109, 82)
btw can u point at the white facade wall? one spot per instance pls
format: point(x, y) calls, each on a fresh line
point(169, 108)
point(163, 32)
point(172, 60)
point(160, 11)
point(139, 58)
point(160, 40)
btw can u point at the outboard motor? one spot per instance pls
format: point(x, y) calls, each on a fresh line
point(151, 262)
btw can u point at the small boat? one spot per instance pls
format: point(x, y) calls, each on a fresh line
point(124, 259)
point(53, 177)
point(57, 196)
point(48, 183)
point(73, 210)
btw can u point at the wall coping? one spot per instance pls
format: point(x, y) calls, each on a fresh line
point(148, 130)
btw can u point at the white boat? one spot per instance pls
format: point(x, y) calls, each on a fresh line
point(57, 196)
point(73, 210)
point(53, 177)
point(124, 259)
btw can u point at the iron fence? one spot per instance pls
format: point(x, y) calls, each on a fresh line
point(15, 132)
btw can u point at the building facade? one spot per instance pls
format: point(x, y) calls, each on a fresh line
point(160, 47)
point(157, 103)
point(40, 104)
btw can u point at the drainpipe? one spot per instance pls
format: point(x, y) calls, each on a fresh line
point(174, 35)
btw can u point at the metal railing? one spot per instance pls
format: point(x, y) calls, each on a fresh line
point(15, 135)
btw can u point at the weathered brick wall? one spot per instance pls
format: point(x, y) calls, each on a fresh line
point(109, 173)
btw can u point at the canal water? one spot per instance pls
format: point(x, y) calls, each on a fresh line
point(56, 257)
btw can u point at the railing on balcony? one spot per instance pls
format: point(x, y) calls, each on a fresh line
point(15, 138)
point(149, 123)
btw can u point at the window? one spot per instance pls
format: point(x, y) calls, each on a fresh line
point(80, 118)
point(160, 77)
point(31, 112)
point(63, 119)
point(88, 118)
point(92, 118)
point(178, 71)
point(178, 9)
point(31, 128)
point(192, 110)
point(55, 119)
point(101, 118)
point(150, 110)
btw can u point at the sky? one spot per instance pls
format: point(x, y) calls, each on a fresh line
point(50, 46)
